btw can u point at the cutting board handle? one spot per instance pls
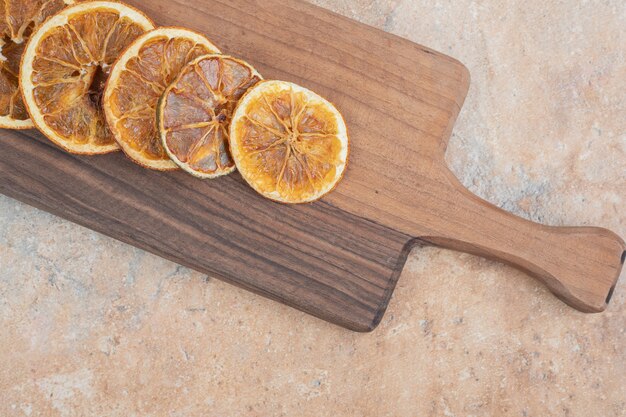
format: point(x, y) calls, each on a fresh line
point(580, 265)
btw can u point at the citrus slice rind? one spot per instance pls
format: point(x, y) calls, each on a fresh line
point(64, 69)
point(195, 113)
point(288, 143)
point(137, 82)
point(17, 19)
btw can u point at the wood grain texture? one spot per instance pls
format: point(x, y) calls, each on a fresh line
point(316, 258)
point(338, 259)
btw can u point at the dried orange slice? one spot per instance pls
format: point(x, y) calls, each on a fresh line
point(18, 18)
point(288, 143)
point(195, 113)
point(64, 69)
point(137, 82)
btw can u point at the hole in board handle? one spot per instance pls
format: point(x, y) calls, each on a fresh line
point(608, 297)
point(612, 290)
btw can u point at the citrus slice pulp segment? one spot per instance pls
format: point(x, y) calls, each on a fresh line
point(138, 80)
point(65, 67)
point(18, 18)
point(289, 144)
point(195, 113)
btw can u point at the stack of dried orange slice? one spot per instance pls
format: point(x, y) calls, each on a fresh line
point(97, 76)
point(138, 81)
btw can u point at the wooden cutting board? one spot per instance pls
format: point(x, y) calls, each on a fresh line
point(340, 258)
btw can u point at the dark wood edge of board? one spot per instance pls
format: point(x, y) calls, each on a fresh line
point(31, 200)
point(393, 282)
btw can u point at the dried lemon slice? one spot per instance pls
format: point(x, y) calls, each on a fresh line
point(289, 144)
point(64, 69)
point(195, 113)
point(137, 82)
point(18, 18)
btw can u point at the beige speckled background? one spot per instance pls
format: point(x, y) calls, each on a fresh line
point(90, 326)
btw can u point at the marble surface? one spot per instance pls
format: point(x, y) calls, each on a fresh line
point(90, 326)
